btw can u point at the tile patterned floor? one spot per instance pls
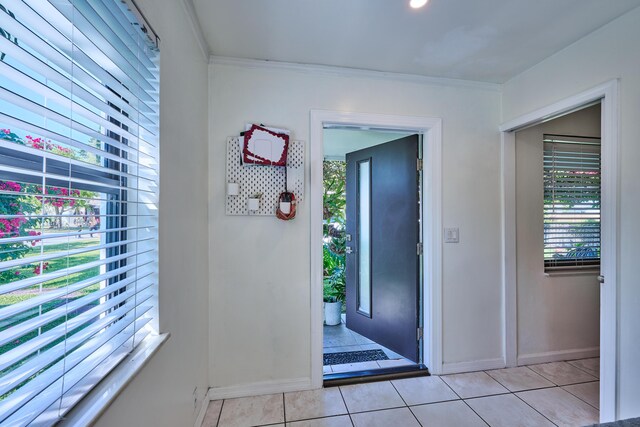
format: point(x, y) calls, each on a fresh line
point(563, 394)
point(338, 339)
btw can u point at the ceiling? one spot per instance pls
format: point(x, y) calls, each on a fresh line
point(488, 40)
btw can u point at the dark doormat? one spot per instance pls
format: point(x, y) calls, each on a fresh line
point(354, 357)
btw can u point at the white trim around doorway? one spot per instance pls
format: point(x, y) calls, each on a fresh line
point(608, 94)
point(431, 128)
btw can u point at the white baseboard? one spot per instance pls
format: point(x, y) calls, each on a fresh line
point(472, 366)
point(203, 410)
point(264, 387)
point(558, 356)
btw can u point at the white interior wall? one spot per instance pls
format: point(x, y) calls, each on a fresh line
point(558, 315)
point(609, 53)
point(260, 284)
point(162, 393)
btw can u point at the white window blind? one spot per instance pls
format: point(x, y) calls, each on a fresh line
point(571, 203)
point(79, 91)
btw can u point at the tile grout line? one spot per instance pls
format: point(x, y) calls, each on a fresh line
point(450, 388)
point(555, 384)
point(544, 376)
point(414, 416)
point(396, 390)
point(562, 385)
point(345, 406)
point(527, 403)
point(284, 410)
point(405, 402)
point(370, 410)
point(489, 395)
point(543, 388)
point(464, 401)
point(585, 370)
point(474, 411)
point(220, 414)
point(498, 381)
point(317, 418)
point(526, 389)
point(578, 397)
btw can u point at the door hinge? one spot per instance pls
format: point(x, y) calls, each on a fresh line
point(420, 249)
point(420, 334)
point(419, 165)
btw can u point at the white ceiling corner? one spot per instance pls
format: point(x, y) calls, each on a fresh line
point(196, 28)
point(352, 72)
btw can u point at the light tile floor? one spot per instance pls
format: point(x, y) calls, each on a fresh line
point(338, 339)
point(551, 394)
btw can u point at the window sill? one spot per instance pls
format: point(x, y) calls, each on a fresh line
point(573, 273)
point(96, 402)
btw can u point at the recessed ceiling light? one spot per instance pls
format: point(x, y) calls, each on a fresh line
point(416, 4)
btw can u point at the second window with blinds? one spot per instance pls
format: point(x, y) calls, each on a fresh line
point(571, 203)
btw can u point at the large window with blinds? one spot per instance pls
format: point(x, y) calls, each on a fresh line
point(79, 88)
point(571, 203)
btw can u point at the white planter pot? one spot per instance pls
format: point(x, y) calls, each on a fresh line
point(332, 311)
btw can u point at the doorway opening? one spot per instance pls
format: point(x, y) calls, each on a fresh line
point(370, 249)
point(606, 272)
point(431, 130)
point(558, 252)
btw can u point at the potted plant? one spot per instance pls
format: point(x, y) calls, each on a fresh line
point(334, 288)
point(334, 242)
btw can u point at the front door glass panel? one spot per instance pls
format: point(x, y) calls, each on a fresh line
point(364, 240)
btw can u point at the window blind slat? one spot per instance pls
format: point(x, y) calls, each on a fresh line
point(63, 121)
point(42, 385)
point(128, 58)
point(54, 54)
point(60, 32)
point(571, 175)
point(118, 23)
point(60, 293)
point(6, 265)
point(47, 277)
point(98, 97)
point(61, 406)
point(75, 109)
point(16, 355)
point(106, 55)
point(142, 174)
point(45, 237)
point(48, 134)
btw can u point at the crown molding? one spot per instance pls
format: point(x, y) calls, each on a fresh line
point(196, 28)
point(351, 72)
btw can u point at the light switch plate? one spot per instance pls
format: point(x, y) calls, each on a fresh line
point(452, 235)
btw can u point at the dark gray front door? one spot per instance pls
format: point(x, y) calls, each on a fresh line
point(382, 264)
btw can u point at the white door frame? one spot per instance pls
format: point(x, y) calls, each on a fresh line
point(431, 128)
point(608, 93)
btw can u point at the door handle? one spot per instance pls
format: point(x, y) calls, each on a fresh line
point(348, 249)
point(601, 279)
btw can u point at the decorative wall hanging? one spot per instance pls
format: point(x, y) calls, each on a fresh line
point(262, 146)
point(264, 183)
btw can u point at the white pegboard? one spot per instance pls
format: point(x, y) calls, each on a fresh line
point(268, 180)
